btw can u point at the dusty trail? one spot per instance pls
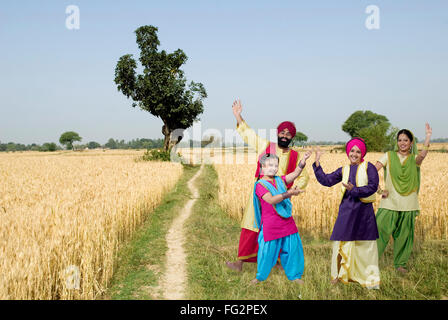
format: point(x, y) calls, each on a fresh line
point(174, 279)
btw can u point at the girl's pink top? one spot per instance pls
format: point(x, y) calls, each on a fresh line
point(274, 226)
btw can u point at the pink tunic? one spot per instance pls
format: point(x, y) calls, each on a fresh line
point(274, 226)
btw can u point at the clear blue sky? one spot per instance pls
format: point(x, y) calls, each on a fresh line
point(310, 62)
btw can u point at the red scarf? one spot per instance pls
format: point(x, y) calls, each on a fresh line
point(292, 161)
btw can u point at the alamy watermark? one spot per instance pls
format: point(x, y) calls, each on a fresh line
point(72, 276)
point(72, 21)
point(373, 20)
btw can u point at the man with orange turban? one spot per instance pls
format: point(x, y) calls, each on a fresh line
point(288, 161)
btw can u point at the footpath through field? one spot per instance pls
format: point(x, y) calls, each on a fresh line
point(141, 262)
point(174, 279)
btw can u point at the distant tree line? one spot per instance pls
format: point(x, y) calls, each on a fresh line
point(110, 144)
point(134, 144)
point(375, 129)
point(11, 146)
point(440, 140)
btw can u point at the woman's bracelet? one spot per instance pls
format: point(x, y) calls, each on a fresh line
point(426, 147)
point(300, 165)
point(286, 195)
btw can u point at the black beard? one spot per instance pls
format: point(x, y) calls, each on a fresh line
point(283, 144)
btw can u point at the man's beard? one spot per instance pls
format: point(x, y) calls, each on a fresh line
point(283, 144)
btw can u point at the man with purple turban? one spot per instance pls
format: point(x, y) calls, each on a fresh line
point(288, 161)
point(355, 233)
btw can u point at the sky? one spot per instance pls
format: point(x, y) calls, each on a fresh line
point(310, 62)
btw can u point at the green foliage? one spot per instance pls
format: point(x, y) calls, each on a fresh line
point(111, 144)
point(375, 136)
point(392, 139)
point(93, 145)
point(374, 128)
point(79, 147)
point(156, 155)
point(360, 120)
point(67, 139)
point(299, 138)
point(134, 144)
point(49, 146)
point(13, 147)
point(161, 89)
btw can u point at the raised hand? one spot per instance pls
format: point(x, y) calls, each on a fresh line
point(306, 156)
point(428, 130)
point(318, 151)
point(422, 155)
point(237, 108)
point(318, 154)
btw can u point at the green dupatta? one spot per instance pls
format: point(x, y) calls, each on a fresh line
point(405, 177)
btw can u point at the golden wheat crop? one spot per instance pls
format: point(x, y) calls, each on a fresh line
point(63, 216)
point(315, 211)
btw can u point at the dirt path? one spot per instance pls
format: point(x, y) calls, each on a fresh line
point(174, 279)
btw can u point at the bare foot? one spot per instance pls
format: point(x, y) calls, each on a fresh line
point(237, 266)
point(299, 281)
point(334, 281)
point(402, 270)
point(255, 282)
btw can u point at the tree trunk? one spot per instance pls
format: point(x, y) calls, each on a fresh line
point(167, 144)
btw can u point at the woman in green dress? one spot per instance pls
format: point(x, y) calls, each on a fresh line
point(399, 204)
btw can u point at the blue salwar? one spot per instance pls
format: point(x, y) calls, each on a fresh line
point(289, 247)
point(291, 256)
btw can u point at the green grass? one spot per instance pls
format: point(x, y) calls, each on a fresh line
point(213, 239)
point(141, 261)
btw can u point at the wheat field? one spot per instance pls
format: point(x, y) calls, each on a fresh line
point(63, 216)
point(315, 211)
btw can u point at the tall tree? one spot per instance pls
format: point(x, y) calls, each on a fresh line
point(162, 88)
point(362, 119)
point(374, 128)
point(67, 139)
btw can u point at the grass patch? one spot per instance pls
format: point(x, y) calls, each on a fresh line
point(141, 260)
point(213, 239)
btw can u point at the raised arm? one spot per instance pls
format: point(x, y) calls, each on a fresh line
point(327, 180)
point(237, 109)
point(422, 154)
point(324, 179)
point(269, 198)
point(296, 173)
point(247, 133)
